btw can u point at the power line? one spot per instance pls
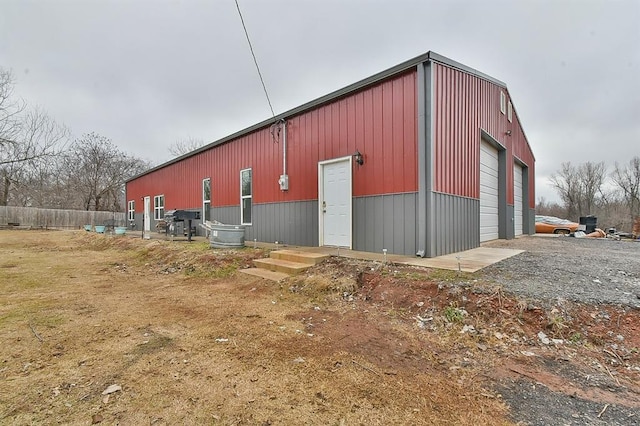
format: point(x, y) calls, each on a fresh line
point(255, 60)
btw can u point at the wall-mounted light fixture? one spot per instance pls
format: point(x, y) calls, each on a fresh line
point(358, 157)
point(508, 133)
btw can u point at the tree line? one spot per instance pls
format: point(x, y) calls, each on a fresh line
point(592, 189)
point(42, 165)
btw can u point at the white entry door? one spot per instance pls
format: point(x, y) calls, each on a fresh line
point(488, 192)
point(147, 216)
point(517, 199)
point(334, 197)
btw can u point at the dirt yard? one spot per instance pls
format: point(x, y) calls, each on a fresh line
point(186, 339)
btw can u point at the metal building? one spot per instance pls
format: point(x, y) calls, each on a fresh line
point(425, 158)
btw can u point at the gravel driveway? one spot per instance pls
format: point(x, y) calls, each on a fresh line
point(578, 269)
point(591, 271)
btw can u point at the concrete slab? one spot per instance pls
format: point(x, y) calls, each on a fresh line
point(470, 261)
point(467, 261)
point(265, 273)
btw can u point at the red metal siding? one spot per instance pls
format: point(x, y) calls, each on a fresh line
point(379, 121)
point(465, 104)
point(522, 151)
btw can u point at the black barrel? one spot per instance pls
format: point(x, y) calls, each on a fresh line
point(589, 223)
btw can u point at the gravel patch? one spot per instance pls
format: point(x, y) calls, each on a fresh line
point(534, 405)
point(578, 269)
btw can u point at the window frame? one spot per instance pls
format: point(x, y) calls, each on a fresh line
point(503, 102)
point(158, 208)
point(131, 210)
point(509, 112)
point(246, 197)
point(206, 203)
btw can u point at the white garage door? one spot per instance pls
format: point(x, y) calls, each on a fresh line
point(488, 192)
point(517, 199)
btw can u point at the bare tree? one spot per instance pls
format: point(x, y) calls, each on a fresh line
point(592, 177)
point(27, 137)
point(95, 170)
point(35, 169)
point(567, 183)
point(42, 185)
point(185, 146)
point(10, 110)
point(627, 178)
point(612, 211)
point(580, 187)
point(36, 139)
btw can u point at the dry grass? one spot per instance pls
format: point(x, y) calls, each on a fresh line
point(192, 342)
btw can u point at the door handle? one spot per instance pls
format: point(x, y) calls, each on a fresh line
point(324, 207)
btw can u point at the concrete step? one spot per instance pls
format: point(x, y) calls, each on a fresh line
point(280, 265)
point(299, 256)
point(265, 273)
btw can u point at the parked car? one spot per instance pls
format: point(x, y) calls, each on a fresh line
point(554, 225)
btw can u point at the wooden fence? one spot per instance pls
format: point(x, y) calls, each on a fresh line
point(51, 218)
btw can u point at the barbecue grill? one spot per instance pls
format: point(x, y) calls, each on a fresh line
point(172, 217)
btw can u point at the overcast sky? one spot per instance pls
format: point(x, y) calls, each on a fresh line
point(148, 73)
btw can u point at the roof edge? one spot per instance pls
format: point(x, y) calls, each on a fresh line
point(397, 69)
point(451, 63)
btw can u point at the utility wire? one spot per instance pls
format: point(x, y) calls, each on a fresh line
point(255, 60)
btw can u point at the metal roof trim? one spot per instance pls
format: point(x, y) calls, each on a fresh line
point(450, 62)
point(397, 69)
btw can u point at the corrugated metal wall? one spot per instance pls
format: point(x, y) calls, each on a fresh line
point(385, 222)
point(379, 121)
point(288, 223)
point(379, 222)
point(458, 224)
point(464, 104)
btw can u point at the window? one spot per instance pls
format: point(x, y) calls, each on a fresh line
point(509, 112)
point(158, 207)
point(503, 102)
point(206, 199)
point(131, 209)
point(245, 196)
